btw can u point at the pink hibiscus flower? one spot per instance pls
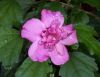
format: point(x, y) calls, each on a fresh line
point(48, 37)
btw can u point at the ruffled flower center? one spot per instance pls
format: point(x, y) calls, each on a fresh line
point(51, 36)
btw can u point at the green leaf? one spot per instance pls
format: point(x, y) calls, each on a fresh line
point(79, 17)
point(10, 46)
point(33, 69)
point(80, 65)
point(86, 35)
point(10, 13)
point(25, 4)
point(95, 3)
point(83, 28)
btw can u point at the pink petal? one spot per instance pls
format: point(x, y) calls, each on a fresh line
point(37, 52)
point(71, 39)
point(68, 28)
point(59, 55)
point(31, 29)
point(49, 17)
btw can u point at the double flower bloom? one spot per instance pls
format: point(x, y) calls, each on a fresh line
point(48, 37)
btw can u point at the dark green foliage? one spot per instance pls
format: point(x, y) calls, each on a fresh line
point(80, 65)
point(30, 69)
point(13, 50)
point(10, 46)
point(10, 13)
